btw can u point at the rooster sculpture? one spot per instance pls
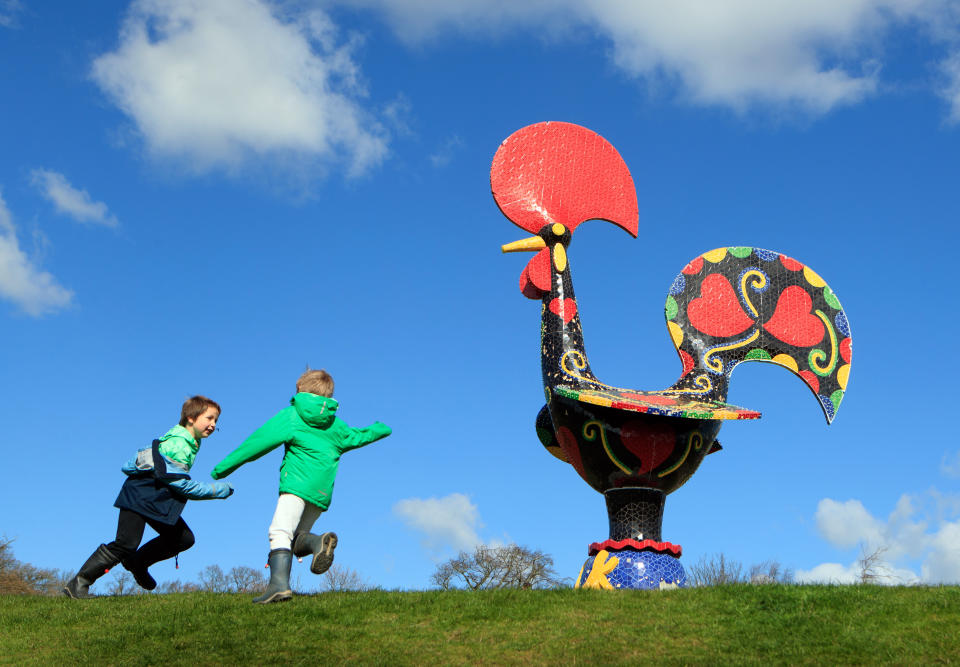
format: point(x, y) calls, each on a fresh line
point(727, 306)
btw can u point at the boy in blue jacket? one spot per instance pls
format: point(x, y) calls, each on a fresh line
point(157, 488)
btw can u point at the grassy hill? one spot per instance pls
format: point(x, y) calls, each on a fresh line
point(731, 624)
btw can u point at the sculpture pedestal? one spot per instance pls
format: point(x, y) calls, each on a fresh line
point(634, 556)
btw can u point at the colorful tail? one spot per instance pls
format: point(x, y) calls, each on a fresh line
point(748, 304)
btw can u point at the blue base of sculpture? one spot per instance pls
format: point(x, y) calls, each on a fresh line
point(633, 557)
point(642, 570)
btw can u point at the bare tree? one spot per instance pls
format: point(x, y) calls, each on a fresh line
point(7, 561)
point(213, 579)
point(245, 579)
point(770, 572)
point(17, 578)
point(122, 583)
point(340, 578)
point(62, 579)
point(177, 586)
point(873, 568)
point(11, 583)
point(510, 566)
point(40, 580)
point(716, 570)
point(238, 580)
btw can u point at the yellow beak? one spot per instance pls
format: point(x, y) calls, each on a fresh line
point(528, 244)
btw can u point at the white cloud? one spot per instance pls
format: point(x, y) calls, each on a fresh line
point(848, 524)
point(451, 521)
point(920, 531)
point(829, 573)
point(814, 55)
point(8, 12)
point(70, 201)
point(943, 565)
point(221, 83)
point(835, 573)
point(951, 90)
point(420, 20)
point(950, 465)
point(397, 114)
point(444, 154)
point(34, 291)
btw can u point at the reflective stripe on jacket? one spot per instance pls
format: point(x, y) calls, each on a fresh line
point(158, 487)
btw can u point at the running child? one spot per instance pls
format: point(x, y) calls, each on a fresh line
point(314, 439)
point(158, 486)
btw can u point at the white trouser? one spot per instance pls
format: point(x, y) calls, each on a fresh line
point(293, 515)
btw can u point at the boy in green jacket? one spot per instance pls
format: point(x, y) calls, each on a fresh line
point(314, 438)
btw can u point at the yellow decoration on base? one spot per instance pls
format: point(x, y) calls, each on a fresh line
point(603, 564)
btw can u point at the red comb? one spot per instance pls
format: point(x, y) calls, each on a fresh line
point(560, 172)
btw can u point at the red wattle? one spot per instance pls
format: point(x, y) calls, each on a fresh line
point(535, 278)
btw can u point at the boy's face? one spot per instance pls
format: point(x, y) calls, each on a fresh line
point(205, 424)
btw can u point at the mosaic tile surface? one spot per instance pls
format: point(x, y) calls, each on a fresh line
point(732, 305)
point(727, 306)
point(613, 570)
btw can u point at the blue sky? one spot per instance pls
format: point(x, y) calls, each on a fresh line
point(204, 197)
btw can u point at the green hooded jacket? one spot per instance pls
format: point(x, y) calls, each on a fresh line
point(314, 438)
point(180, 445)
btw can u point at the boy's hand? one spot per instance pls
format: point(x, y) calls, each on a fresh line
point(224, 489)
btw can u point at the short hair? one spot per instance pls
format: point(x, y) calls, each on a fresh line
point(195, 406)
point(316, 382)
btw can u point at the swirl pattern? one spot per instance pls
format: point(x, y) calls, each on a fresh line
point(732, 305)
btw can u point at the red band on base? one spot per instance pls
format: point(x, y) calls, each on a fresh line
point(674, 550)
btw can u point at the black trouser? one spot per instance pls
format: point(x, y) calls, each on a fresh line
point(170, 540)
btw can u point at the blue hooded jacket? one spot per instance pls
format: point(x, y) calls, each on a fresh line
point(158, 486)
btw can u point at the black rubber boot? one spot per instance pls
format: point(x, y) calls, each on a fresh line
point(321, 546)
point(158, 549)
point(278, 590)
point(138, 569)
point(96, 566)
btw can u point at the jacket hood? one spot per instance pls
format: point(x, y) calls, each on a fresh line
point(317, 411)
point(180, 445)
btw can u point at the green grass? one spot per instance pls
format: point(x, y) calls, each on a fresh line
point(735, 624)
